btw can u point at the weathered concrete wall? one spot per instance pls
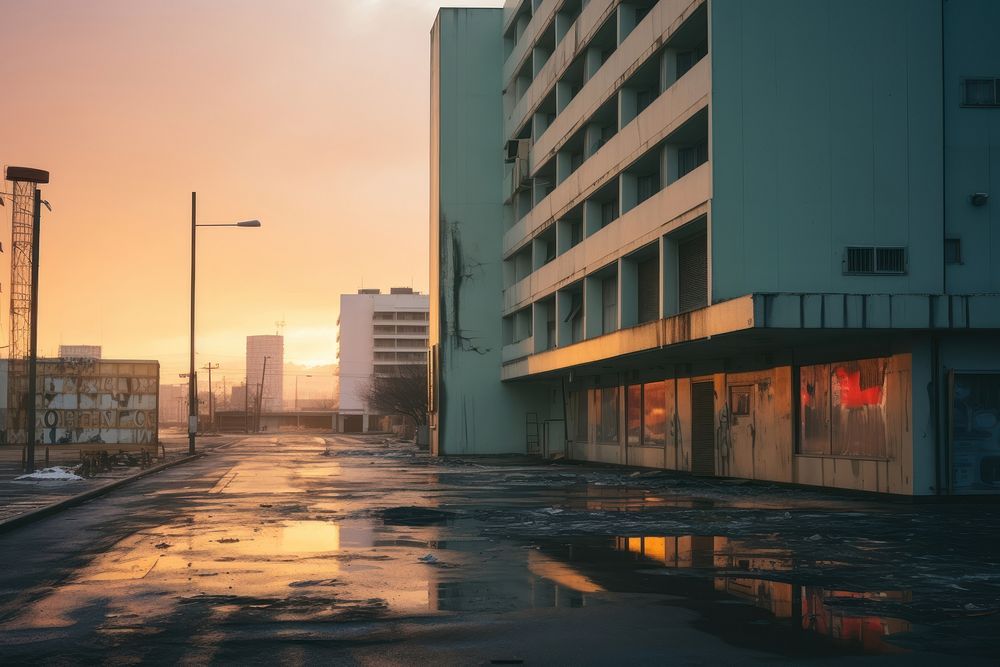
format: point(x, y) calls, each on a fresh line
point(826, 132)
point(474, 413)
point(972, 146)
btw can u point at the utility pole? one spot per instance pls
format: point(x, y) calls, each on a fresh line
point(260, 393)
point(192, 378)
point(211, 396)
point(246, 405)
point(33, 344)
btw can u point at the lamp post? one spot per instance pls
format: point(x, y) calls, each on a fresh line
point(192, 378)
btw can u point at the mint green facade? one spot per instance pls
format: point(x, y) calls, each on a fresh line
point(832, 127)
point(472, 412)
point(826, 133)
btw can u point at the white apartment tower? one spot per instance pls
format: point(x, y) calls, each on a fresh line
point(273, 348)
point(379, 335)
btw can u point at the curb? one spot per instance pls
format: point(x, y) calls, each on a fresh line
point(80, 498)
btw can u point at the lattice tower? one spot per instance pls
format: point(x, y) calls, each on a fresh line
point(22, 240)
point(21, 243)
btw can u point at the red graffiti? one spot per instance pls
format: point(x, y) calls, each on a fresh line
point(852, 396)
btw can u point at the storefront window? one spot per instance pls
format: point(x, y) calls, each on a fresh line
point(842, 409)
point(633, 415)
point(857, 408)
point(654, 414)
point(975, 432)
point(607, 427)
point(814, 409)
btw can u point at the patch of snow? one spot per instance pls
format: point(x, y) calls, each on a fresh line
point(55, 474)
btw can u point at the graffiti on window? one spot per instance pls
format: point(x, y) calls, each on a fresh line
point(842, 408)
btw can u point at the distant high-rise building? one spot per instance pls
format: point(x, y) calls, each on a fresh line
point(380, 334)
point(238, 398)
point(79, 351)
point(272, 347)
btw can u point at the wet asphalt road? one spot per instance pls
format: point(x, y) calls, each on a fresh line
point(340, 550)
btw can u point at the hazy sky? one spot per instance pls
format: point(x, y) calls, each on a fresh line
point(310, 115)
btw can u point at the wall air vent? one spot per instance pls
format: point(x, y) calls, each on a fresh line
point(874, 260)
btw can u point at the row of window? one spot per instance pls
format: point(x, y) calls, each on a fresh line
point(389, 329)
point(662, 165)
point(842, 410)
point(400, 342)
point(623, 294)
point(400, 316)
point(401, 356)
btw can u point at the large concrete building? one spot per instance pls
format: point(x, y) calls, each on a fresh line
point(379, 335)
point(273, 348)
point(751, 239)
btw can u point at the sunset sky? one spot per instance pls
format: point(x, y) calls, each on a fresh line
point(309, 115)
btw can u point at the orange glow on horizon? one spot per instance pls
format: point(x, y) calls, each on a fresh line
point(310, 116)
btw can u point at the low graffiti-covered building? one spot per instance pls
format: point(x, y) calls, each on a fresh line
point(712, 236)
point(86, 401)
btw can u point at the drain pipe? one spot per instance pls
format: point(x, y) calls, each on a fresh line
point(936, 409)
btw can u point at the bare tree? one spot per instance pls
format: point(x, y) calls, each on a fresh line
point(404, 393)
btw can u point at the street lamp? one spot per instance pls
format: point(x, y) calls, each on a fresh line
point(298, 421)
point(192, 379)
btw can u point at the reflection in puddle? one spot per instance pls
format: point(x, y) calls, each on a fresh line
point(820, 610)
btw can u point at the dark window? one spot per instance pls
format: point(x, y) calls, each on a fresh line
point(692, 264)
point(739, 401)
point(979, 93)
point(609, 304)
point(647, 186)
point(607, 427)
point(688, 59)
point(952, 251)
point(550, 325)
point(609, 212)
point(643, 99)
point(633, 415)
point(691, 157)
point(649, 289)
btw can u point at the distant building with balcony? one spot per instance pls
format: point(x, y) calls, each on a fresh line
point(380, 335)
point(79, 351)
point(747, 239)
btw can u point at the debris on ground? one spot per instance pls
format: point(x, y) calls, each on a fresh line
point(429, 558)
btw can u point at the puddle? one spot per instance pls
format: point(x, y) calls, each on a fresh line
point(748, 575)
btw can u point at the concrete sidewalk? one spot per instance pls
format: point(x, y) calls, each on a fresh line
point(18, 498)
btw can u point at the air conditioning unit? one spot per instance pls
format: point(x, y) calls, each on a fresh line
point(517, 148)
